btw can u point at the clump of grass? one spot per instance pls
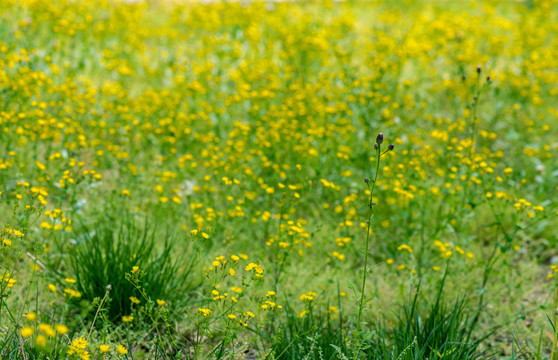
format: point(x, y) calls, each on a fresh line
point(309, 337)
point(442, 331)
point(420, 331)
point(114, 246)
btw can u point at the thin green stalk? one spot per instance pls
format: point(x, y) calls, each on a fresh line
point(473, 135)
point(366, 247)
point(485, 276)
point(9, 312)
point(98, 309)
point(129, 346)
point(539, 347)
point(554, 318)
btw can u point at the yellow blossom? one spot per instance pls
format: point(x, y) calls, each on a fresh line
point(121, 350)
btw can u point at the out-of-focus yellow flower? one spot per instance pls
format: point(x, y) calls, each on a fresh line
point(121, 350)
point(27, 331)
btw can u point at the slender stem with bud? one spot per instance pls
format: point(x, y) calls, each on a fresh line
point(371, 204)
point(108, 288)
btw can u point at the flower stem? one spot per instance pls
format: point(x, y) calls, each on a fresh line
point(129, 346)
point(366, 251)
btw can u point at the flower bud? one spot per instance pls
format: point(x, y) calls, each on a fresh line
point(366, 180)
point(479, 69)
point(376, 146)
point(390, 147)
point(380, 138)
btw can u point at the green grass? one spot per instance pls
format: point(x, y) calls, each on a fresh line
point(111, 248)
point(208, 162)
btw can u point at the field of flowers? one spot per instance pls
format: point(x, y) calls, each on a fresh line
point(278, 180)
